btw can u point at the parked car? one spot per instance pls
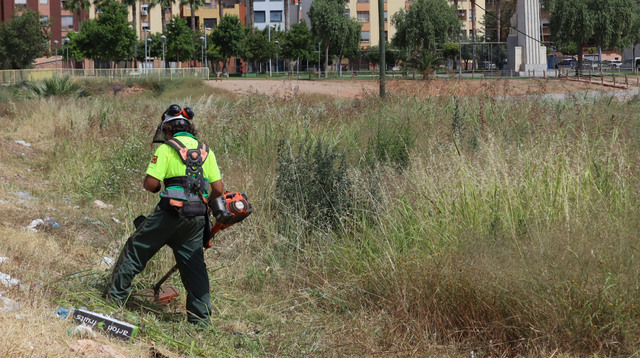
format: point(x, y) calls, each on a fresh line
point(567, 62)
point(590, 65)
point(488, 65)
point(612, 64)
point(629, 64)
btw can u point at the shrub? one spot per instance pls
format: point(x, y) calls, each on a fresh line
point(313, 187)
point(57, 86)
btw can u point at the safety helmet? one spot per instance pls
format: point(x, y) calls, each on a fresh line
point(173, 113)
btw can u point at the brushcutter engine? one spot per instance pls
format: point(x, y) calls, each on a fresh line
point(230, 208)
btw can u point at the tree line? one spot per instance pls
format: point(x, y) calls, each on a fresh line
point(425, 34)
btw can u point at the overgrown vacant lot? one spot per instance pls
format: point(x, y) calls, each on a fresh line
point(428, 226)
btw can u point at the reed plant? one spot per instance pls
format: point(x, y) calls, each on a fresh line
point(499, 227)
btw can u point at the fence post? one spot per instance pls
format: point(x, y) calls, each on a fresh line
point(614, 79)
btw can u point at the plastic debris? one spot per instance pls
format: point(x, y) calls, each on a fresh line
point(84, 331)
point(107, 261)
point(3, 259)
point(34, 224)
point(23, 143)
point(116, 220)
point(62, 312)
point(51, 223)
point(8, 305)
point(102, 205)
point(48, 221)
point(7, 280)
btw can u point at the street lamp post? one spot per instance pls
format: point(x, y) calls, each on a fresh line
point(206, 60)
point(277, 42)
point(149, 49)
point(202, 50)
point(319, 60)
point(146, 64)
point(56, 44)
point(269, 31)
point(164, 42)
point(66, 41)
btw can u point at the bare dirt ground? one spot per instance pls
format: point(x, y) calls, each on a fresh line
point(360, 88)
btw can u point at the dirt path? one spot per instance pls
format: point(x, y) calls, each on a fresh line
point(359, 88)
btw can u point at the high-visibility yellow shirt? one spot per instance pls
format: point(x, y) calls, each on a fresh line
point(166, 162)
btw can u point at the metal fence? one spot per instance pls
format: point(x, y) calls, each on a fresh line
point(17, 76)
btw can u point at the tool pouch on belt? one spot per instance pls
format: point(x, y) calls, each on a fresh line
point(183, 208)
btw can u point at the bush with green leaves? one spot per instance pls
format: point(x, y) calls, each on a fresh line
point(57, 86)
point(313, 190)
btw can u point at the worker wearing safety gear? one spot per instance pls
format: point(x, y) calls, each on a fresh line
point(180, 220)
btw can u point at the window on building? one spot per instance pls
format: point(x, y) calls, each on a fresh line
point(275, 16)
point(471, 14)
point(276, 0)
point(363, 16)
point(347, 13)
point(44, 18)
point(210, 23)
point(364, 36)
point(386, 36)
point(44, 2)
point(144, 10)
point(259, 17)
point(386, 16)
point(363, 0)
point(208, 5)
point(145, 26)
point(66, 22)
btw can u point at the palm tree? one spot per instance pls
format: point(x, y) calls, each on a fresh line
point(98, 4)
point(194, 5)
point(286, 15)
point(220, 11)
point(251, 16)
point(164, 4)
point(76, 7)
point(134, 16)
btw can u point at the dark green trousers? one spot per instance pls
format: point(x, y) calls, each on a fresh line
point(184, 236)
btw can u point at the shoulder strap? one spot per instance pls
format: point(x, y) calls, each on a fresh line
point(179, 147)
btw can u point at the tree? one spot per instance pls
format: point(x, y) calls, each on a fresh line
point(163, 4)
point(328, 23)
point(109, 37)
point(257, 48)
point(228, 36)
point(77, 7)
point(180, 43)
point(26, 33)
point(193, 5)
point(298, 43)
point(347, 43)
point(391, 55)
point(497, 20)
point(450, 51)
point(426, 25)
point(603, 23)
point(134, 15)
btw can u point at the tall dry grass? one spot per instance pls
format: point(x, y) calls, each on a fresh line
point(502, 227)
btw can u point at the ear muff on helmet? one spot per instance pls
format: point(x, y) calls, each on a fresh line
point(175, 114)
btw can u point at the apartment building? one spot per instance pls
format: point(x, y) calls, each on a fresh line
point(208, 15)
point(62, 21)
point(470, 13)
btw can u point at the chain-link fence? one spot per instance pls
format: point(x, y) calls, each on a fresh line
point(16, 76)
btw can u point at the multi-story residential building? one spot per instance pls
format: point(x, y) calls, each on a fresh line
point(208, 15)
point(62, 21)
point(470, 13)
point(268, 13)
